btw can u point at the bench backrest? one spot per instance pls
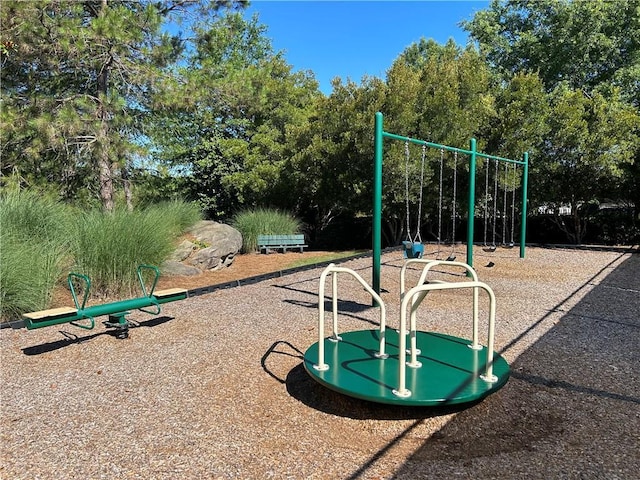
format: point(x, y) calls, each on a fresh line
point(276, 240)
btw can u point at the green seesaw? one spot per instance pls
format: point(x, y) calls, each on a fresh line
point(83, 316)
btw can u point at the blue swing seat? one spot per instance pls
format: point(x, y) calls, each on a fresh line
point(413, 249)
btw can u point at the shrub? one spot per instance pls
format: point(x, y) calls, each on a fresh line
point(179, 215)
point(34, 243)
point(28, 275)
point(263, 221)
point(35, 217)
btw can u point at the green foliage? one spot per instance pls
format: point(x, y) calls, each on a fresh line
point(440, 93)
point(41, 238)
point(79, 83)
point(177, 214)
point(96, 98)
point(263, 221)
point(28, 274)
point(109, 247)
point(521, 120)
point(591, 138)
point(585, 44)
point(34, 216)
point(34, 231)
point(584, 131)
point(330, 168)
point(240, 127)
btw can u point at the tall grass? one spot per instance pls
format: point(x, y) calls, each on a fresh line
point(109, 247)
point(263, 221)
point(33, 216)
point(34, 246)
point(41, 239)
point(28, 275)
point(178, 214)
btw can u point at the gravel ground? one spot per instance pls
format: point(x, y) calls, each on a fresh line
point(215, 388)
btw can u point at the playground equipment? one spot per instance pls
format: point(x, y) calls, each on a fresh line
point(507, 179)
point(372, 364)
point(83, 316)
point(413, 247)
point(473, 155)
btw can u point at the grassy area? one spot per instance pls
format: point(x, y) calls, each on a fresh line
point(109, 247)
point(34, 236)
point(325, 257)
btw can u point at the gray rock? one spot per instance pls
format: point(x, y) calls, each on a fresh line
point(172, 267)
point(183, 251)
point(215, 246)
point(206, 259)
point(228, 260)
point(223, 239)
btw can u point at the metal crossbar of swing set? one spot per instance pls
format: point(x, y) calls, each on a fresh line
point(473, 154)
point(447, 148)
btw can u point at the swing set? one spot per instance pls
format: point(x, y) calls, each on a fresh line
point(413, 245)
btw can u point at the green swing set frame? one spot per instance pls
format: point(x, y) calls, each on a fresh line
point(473, 155)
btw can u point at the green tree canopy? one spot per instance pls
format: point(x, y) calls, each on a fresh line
point(584, 44)
point(587, 56)
point(238, 129)
point(76, 82)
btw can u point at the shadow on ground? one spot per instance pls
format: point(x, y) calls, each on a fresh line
point(72, 339)
point(571, 408)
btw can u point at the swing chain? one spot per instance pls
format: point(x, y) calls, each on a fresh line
point(453, 202)
point(418, 238)
point(495, 203)
point(504, 206)
point(486, 201)
point(513, 202)
point(440, 197)
point(406, 187)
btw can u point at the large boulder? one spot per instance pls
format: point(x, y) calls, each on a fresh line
point(223, 239)
point(214, 246)
point(182, 252)
point(171, 267)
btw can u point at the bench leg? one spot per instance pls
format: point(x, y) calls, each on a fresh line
point(119, 323)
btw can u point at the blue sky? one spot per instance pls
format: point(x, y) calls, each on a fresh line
point(349, 39)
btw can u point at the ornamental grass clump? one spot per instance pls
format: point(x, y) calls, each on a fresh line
point(34, 250)
point(109, 247)
point(263, 221)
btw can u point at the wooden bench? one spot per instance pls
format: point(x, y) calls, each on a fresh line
point(116, 311)
point(280, 242)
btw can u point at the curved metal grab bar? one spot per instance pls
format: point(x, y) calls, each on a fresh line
point(488, 376)
point(428, 265)
point(87, 287)
point(331, 268)
point(155, 270)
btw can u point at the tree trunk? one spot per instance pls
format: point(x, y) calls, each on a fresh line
point(574, 229)
point(126, 185)
point(104, 164)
